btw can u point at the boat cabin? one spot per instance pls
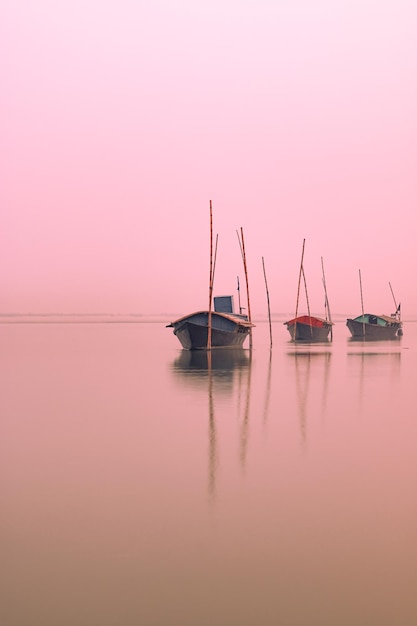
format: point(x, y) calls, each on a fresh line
point(223, 304)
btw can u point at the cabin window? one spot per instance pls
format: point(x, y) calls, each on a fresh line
point(373, 319)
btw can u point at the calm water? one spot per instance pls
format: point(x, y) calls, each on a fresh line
point(138, 487)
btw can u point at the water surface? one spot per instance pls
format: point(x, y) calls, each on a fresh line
point(143, 485)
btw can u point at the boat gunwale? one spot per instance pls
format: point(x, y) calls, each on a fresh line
point(303, 319)
point(233, 317)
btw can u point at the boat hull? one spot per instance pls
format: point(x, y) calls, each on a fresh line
point(360, 330)
point(309, 329)
point(226, 331)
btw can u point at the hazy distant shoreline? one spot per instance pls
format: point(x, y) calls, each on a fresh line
point(137, 318)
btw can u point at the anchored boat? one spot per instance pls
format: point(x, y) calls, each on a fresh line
point(309, 327)
point(376, 327)
point(228, 329)
point(219, 326)
point(370, 326)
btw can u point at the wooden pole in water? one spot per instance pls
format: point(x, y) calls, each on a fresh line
point(269, 308)
point(326, 299)
point(242, 249)
point(210, 280)
point(298, 290)
point(363, 312)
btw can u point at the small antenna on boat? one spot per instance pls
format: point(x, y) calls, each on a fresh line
point(238, 295)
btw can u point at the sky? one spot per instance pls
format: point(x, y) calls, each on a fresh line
point(121, 120)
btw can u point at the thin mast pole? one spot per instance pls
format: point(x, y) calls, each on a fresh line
point(242, 249)
point(363, 313)
point(397, 313)
point(214, 261)
point(298, 290)
point(308, 304)
point(212, 283)
point(269, 309)
point(210, 280)
point(326, 299)
point(305, 288)
point(393, 297)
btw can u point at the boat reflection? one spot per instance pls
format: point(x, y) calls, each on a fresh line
point(221, 364)
point(218, 359)
point(375, 364)
point(311, 383)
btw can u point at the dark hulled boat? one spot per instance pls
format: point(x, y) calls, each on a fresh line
point(228, 329)
point(220, 326)
point(375, 327)
point(309, 328)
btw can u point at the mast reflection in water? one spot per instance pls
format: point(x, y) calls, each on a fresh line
point(372, 365)
point(308, 365)
point(146, 485)
point(220, 372)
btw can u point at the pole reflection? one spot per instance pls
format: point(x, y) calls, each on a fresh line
point(311, 370)
point(220, 373)
point(374, 362)
point(193, 367)
point(212, 437)
point(244, 429)
point(268, 390)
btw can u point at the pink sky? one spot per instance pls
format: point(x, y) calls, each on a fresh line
point(121, 120)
